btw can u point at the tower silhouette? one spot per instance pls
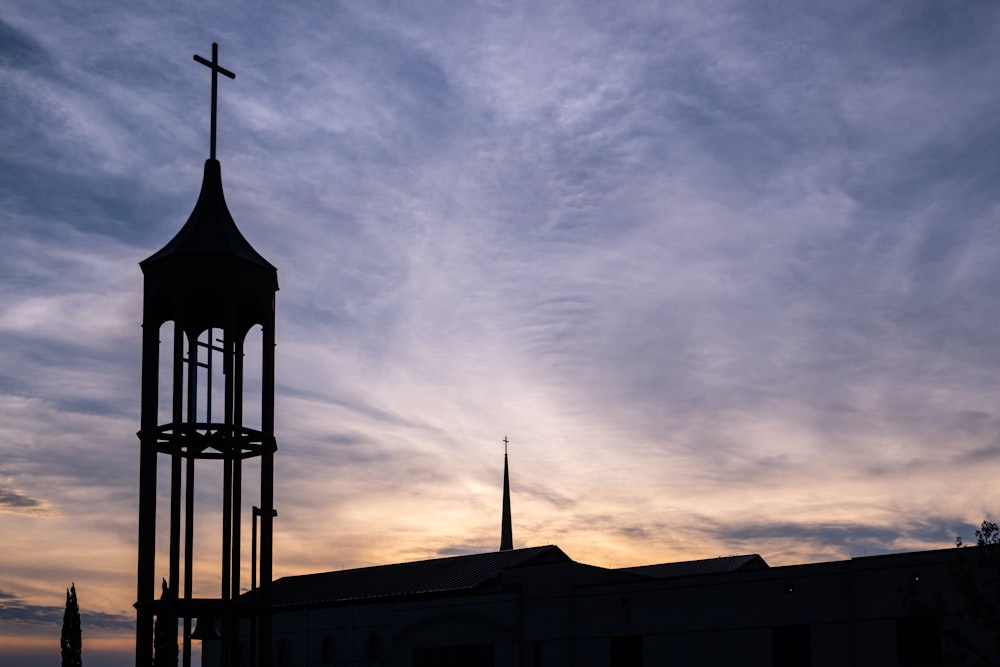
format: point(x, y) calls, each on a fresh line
point(506, 525)
point(204, 295)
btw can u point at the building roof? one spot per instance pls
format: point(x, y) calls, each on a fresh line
point(210, 229)
point(439, 575)
point(695, 567)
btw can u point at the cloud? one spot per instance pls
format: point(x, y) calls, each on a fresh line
point(12, 500)
point(38, 619)
point(19, 49)
point(838, 540)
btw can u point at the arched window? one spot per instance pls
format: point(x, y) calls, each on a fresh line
point(284, 653)
point(374, 647)
point(329, 653)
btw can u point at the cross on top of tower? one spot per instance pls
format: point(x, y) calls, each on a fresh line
point(213, 65)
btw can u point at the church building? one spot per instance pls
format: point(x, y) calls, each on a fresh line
point(536, 606)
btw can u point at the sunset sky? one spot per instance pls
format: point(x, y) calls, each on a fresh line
point(727, 274)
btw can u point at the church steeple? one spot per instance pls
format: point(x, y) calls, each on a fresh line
point(208, 312)
point(506, 527)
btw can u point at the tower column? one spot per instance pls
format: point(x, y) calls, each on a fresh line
point(267, 513)
point(145, 571)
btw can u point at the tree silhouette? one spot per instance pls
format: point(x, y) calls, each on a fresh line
point(987, 535)
point(977, 579)
point(72, 634)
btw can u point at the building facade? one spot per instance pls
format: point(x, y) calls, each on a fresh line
point(534, 607)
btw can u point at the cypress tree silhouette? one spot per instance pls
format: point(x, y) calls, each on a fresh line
point(165, 634)
point(72, 634)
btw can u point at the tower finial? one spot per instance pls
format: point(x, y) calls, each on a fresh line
point(216, 69)
point(506, 527)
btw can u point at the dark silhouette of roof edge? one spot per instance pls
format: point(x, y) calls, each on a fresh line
point(210, 229)
point(426, 577)
point(457, 574)
point(720, 565)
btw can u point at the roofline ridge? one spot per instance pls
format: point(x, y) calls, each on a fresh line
point(484, 554)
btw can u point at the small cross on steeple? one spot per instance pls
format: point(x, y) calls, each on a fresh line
point(216, 69)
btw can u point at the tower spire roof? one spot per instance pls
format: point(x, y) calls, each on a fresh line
point(210, 229)
point(506, 526)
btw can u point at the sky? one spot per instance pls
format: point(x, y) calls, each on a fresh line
point(726, 274)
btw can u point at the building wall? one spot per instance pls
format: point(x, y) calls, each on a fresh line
point(830, 614)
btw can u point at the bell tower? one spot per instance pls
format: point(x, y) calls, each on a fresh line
point(207, 405)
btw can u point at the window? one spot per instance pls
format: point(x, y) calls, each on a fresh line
point(918, 641)
point(374, 647)
point(626, 651)
point(329, 651)
point(478, 655)
point(791, 646)
point(284, 652)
